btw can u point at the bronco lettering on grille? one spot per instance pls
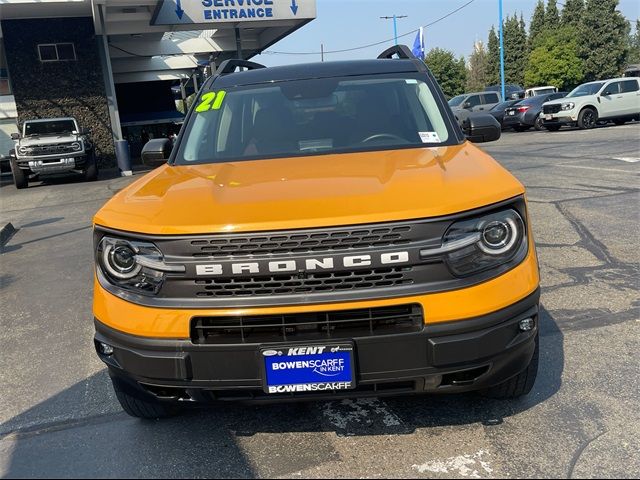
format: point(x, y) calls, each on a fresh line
point(324, 263)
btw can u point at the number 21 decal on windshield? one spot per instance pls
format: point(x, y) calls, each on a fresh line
point(211, 101)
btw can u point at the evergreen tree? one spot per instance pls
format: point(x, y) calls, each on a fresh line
point(555, 61)
point(515, 51)
point(477, 75)
point(603, 40)
point(493, 61)
point(537, 24)
point(450, 73)
point(572, 13)
point(634, 46)
point(551, 16)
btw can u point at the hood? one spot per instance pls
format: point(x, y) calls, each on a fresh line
point(308, 192)
point(46, 140)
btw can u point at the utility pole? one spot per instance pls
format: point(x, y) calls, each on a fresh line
point(395, 25)
point(501, 50)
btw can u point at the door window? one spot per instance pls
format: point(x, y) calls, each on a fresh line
point(629, 86)
point(612, 89)
point(491, 98)
point(473, 101)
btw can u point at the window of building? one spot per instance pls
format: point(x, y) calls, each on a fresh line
point(56, 52)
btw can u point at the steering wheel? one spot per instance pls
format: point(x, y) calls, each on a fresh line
point(378, 136)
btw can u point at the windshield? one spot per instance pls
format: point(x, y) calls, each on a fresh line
point(315, 116)
point(455, 101)
point(49, 128)
point(586, 89)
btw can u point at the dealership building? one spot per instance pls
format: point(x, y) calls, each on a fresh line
point(125, 67)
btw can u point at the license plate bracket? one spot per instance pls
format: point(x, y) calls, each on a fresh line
point(308, 368)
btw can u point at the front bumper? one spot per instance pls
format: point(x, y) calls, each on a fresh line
point(560, 119)
point(44, 166)
point(442, 358)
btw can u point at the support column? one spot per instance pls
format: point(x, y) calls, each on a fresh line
point(107, 72)
point(238, 44)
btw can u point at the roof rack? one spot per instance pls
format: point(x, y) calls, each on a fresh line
point(402, 51)
point(229, 66)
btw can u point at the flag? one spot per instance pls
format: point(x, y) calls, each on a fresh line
point(418, 45)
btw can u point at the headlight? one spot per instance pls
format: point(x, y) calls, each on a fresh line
point(76, 146)
point(479, 244)
point(567, 106)
point(133, 265)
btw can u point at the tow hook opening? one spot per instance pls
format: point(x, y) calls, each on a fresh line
point(464, 377)
point(168, 393)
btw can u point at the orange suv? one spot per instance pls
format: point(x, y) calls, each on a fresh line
point(317, 231)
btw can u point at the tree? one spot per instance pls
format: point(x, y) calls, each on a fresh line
point(515, 50)
point(634, 46)
point(477, 75)
point(572, 13)
point(493, 60)
point(537, 24)
point(551, 16)
point(603, 39)
point(450, 73)
point(555, 61)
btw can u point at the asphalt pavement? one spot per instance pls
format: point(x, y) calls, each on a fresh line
point(59, 417)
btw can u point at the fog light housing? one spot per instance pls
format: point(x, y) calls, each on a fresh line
point(105, 349)
point(527, 324)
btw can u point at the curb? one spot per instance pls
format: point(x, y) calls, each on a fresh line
point(6, 233)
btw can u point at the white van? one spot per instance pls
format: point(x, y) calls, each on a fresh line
point(532, 92)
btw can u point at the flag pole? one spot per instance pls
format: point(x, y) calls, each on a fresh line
point(501, 50)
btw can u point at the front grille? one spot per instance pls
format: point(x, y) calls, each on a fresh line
point(50, 149)
point(551, 108)
point(336, 325)
point(295, 243)
point(311, 283)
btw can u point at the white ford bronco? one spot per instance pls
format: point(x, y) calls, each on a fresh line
point(52, 146)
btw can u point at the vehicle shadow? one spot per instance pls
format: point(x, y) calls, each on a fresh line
point(92, 437)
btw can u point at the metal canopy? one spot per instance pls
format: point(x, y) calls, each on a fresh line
point(140, 50)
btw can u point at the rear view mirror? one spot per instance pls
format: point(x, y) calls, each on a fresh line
point(481, 127)
point(156, 151)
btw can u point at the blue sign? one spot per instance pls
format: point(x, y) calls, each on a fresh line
point(179, 12)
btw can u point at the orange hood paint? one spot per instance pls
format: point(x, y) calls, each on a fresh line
point(313, 191)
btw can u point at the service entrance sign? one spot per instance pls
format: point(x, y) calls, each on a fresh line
point(183, 12)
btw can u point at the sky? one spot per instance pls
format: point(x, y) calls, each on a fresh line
point(344, 24)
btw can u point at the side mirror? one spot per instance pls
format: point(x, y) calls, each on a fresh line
point(156, 151)
point(466, 105)
point(15, 136)
point(84, 131)
point(481, 127)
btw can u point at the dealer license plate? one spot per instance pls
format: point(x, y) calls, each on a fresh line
point(548, 117)
point(308, 368)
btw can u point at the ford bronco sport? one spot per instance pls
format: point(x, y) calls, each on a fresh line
point(52, 146)
point(318, 231)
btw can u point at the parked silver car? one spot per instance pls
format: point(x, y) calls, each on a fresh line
point(463, 105)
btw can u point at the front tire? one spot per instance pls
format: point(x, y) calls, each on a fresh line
point(20, 177)
point(537, 123)
point(519, 385)
point(90, 171)
point(587, 118)
point(138, 408)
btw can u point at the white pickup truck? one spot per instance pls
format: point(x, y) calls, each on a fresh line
point(616, 100)
point(52, 146)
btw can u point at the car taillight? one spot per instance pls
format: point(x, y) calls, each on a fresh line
point(523, 109)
